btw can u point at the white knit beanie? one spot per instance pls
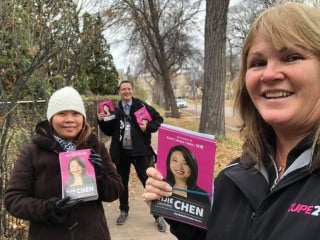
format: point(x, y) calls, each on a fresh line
point(66, 98)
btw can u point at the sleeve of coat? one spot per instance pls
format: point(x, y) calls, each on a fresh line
point(19, 197)
point(107, 127)
point(156, 119)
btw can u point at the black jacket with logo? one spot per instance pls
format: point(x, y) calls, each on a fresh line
point(250, 204)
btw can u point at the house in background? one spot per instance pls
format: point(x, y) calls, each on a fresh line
point(185, 85)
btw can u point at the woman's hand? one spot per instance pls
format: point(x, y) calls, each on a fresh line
point(155, 186)
point(97, 163)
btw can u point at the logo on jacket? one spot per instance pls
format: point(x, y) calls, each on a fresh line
point(304, 209)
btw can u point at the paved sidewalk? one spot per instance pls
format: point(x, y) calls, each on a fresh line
point(140, 224)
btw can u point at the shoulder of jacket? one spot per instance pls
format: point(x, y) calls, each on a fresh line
point(44, 142)
point(232, 164)
point(238, 163)
point(137, 101)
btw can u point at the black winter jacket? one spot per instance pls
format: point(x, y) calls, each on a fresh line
point(250, 204)
point(140, 140)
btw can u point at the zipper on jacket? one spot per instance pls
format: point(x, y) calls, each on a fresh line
point(277, 179)
point(72, 226)
point(275, 183)
point(253, 218)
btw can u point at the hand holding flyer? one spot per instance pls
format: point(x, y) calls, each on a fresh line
point(142, 114)
point(186, 160)
point(107, 109)
point(77, 175)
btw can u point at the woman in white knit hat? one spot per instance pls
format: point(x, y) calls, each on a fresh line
point(34, 190)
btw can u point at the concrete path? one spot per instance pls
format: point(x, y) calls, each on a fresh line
point(140, 224)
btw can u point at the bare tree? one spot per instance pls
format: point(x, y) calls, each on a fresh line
point(41, 46)
point(212, 113)
point(240, 17)
point(160, 31)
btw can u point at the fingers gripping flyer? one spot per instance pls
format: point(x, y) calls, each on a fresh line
point(186, 160)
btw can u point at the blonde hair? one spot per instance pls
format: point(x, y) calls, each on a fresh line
point(285, 25)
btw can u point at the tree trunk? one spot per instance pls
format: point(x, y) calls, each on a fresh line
point(170, 102)
point(212, 114)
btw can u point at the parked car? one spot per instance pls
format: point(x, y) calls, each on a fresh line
point(181, 103)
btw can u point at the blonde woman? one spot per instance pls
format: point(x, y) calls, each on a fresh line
point(271, 191)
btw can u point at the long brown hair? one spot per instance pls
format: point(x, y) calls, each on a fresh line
point(285, 25)
point(84, 134)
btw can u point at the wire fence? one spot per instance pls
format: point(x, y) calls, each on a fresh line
point(26, 115)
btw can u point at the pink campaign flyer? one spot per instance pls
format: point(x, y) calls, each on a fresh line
point(186, 160)
point(142, 114)
point(77, 175)
point(106, 107)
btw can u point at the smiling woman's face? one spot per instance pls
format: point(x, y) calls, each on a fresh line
point(284, 85)
point(75, 167)
point(179, 166)
point(67, 124)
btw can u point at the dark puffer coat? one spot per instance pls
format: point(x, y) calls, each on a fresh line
point(36, 183)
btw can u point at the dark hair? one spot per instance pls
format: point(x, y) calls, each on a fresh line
point(191, 162)
point(81, 163)
point(84, 134)
point(106, 105)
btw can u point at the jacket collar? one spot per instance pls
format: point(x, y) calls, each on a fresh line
point(44, 136)
point(247, 178)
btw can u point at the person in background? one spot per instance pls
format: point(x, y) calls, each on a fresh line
point(34, 189)
point(271, 191)
point(131, 143)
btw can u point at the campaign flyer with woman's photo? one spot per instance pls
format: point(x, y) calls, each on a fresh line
point(186, 160)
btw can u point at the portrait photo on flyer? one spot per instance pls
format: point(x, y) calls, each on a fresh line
point(106, 107)
point(78, 175)
point(186, 161)
point(142, 114)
